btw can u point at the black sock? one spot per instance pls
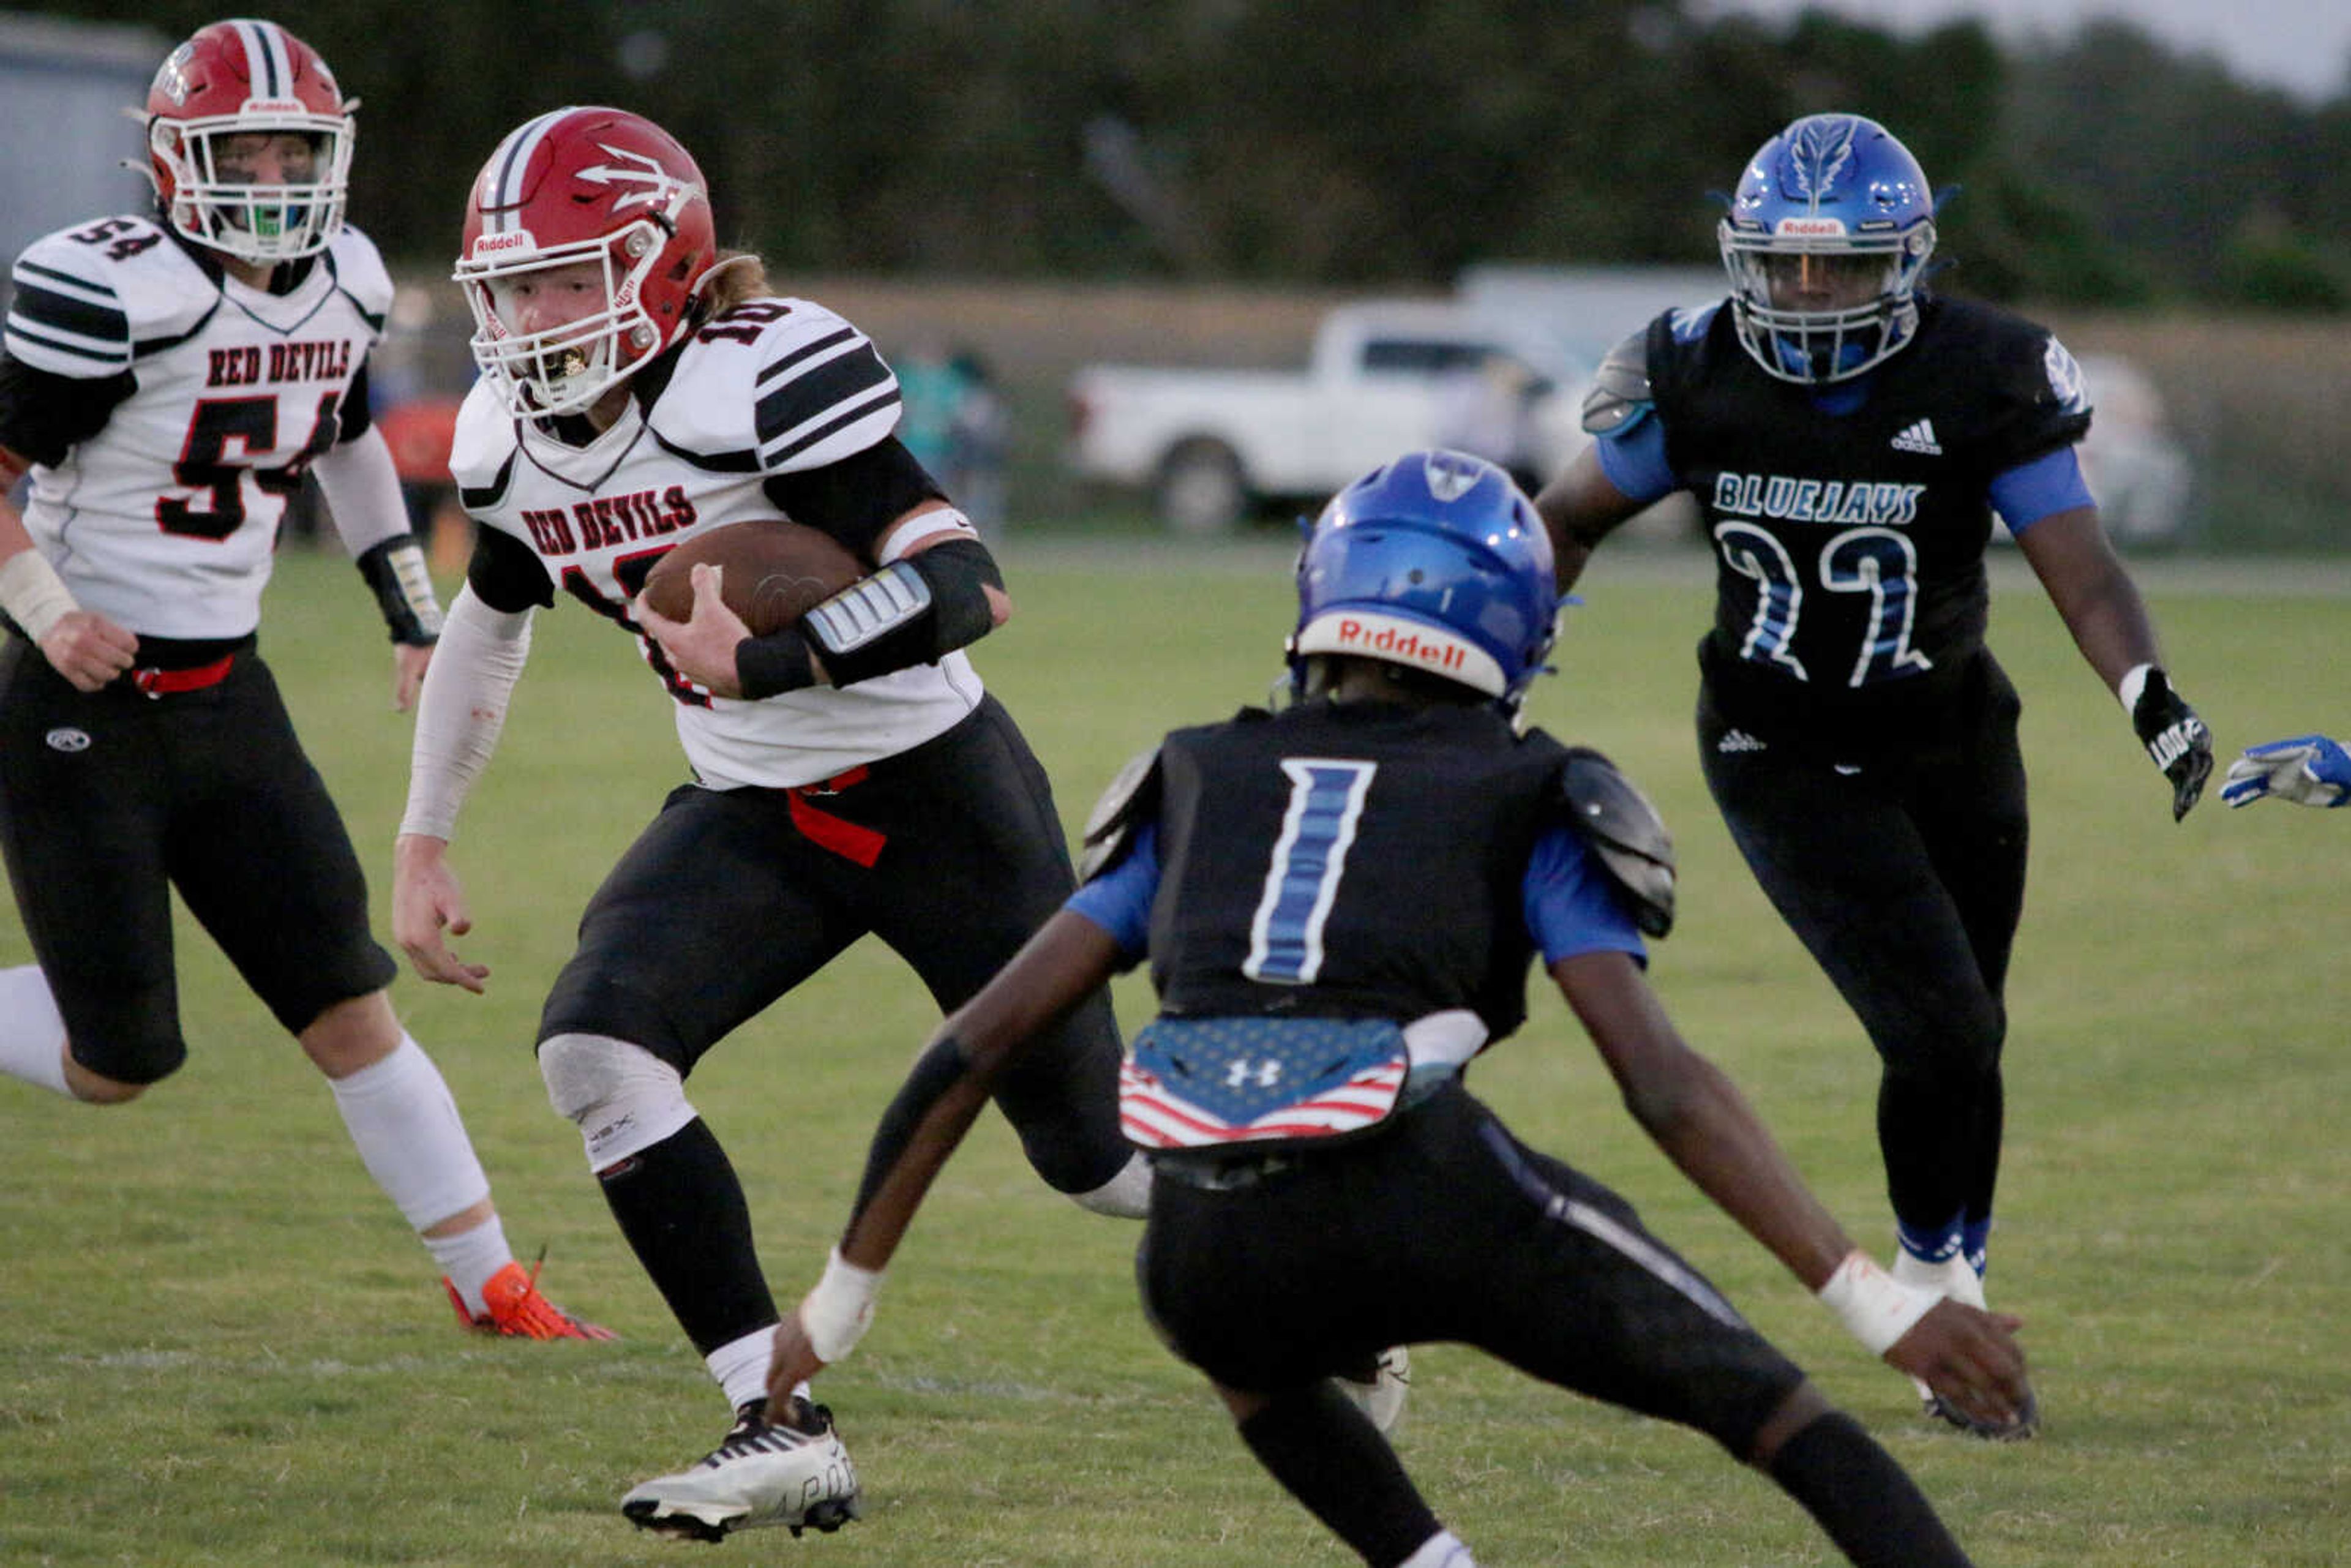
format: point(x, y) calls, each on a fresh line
point(1869, 1504)
point(1317, 1443)
point(683, 1211)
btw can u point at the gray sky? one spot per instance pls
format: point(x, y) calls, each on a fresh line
point(2302, 46)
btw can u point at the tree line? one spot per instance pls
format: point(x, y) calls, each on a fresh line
point(1382, 142)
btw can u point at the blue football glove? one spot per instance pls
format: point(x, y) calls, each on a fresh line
point(2309, 771)
point(2175, 739)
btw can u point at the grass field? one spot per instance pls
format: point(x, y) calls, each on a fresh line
point(219, 1346)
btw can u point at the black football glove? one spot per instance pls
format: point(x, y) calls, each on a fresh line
point(2175, 738)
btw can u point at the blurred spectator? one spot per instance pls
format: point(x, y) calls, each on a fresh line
point(929, 388)
point(978, 433)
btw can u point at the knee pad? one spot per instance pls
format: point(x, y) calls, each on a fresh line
point(623, 1098)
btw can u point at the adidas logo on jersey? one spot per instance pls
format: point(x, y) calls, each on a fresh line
point(1919, 437)
point(1738, 740)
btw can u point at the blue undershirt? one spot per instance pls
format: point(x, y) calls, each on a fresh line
point(1571, 906)
point(1633, 456)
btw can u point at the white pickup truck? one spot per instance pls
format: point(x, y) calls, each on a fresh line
point(1209, 446)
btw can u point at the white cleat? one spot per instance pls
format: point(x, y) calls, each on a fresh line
point(794, 1473)
point(1956, 1279)
point(1382, 1389)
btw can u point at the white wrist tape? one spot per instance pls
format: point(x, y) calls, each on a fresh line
point(837, 1314)
point(2133, 683)
point(1874, 1307)
point(462, 709)
point(33, 594)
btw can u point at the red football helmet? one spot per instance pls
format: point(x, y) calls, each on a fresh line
point(247, 78)
point(604, 208)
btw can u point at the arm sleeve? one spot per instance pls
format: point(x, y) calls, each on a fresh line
point(44, 416)
point(355, 415)
point(1633, 456)
point(1571, 908)
point(857, 498)
point(463, 709)
point(1120, 899)
point(362, 492)
point(2048, 484)
point(505, 573)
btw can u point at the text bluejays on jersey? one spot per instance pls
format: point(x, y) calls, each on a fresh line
point(1816, 500)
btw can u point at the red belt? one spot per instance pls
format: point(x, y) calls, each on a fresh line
point(161, 683)
point(841, 836)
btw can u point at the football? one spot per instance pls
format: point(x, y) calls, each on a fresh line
point(776, 571)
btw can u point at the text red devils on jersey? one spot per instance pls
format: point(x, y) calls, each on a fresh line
point(164, 517)
point(773, 387)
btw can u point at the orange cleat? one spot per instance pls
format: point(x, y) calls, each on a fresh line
point(517, 1310)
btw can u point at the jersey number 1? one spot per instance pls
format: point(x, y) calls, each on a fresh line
point(1326, 801)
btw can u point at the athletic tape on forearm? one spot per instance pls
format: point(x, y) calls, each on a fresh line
point(837, 1314)
point(1874, 1307)
point(464, 706)
point(33, 594)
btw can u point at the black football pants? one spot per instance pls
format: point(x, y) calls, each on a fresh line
point(1904, 876)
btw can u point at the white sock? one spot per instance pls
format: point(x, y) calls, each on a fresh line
point(469, 1258)
point(1953, 1277)
point(32, 1035)
point(410, 1136)
point(1442, 1550)
point(741, 1366)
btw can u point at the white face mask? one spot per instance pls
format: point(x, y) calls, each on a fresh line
point(555, 330)
point(262, 188)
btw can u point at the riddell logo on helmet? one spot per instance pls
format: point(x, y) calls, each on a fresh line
point(1390, 641)
point(1810, 229)
point(276, 106)
point(513, 239)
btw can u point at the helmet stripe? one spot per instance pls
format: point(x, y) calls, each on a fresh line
point(266, 68)
point(501, 193)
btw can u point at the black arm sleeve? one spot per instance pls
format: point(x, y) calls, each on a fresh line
point(504, 574)
point(857, 498)
point(355, 417)
point(954, 579)
point(44, 416)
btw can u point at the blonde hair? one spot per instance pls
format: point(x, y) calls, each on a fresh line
point(736, 275)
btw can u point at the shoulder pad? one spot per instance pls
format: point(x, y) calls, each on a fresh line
point(1132, 797)
point(1620, 387)
point(484, 438)
point(784, 384)
point(88, 297)
point(1626, 831)
point(360, 273)
point(2068, 389)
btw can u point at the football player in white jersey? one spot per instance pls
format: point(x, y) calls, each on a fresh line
point(167, 380)
point(851, 775)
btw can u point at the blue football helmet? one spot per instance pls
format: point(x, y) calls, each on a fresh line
point(1435, 561)
point(1825, 241)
